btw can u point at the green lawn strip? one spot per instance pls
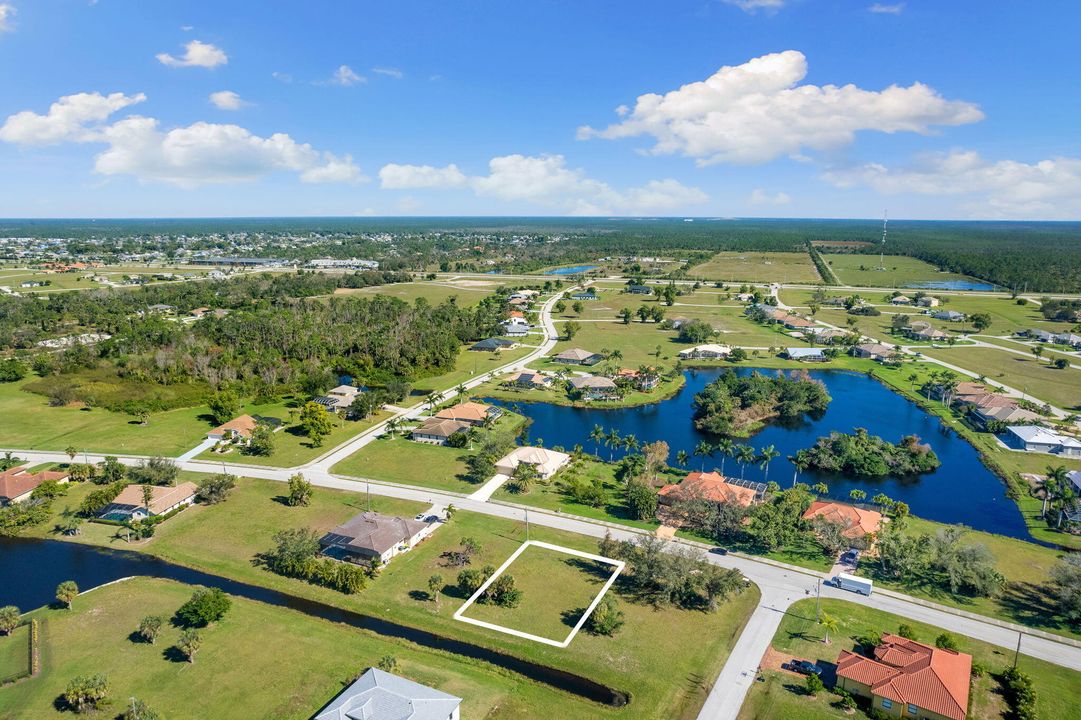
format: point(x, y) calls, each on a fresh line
point(1058, 689)
point(900, 270)
point(556, 590)
point(1018, 345)
point(15, 653)
point(664, 657)
point(234, 676)
point(787, 267)
point(470, 364)
point(1029, 374)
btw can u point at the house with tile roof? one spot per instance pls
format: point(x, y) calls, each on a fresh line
point(528, 379)
point(17, 484)
point(437, 431)
point(908, 679)
point(470, 412)
point(239, 429)
point(594, 387)
point(379, 695)
point(547, 462)
point(577, 356)
point(374, 535)
point(131, 503)
point(714, 487)
point(857, 522)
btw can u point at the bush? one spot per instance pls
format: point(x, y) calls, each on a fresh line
point(206, 605)
point(1020, 693)
point(906, 631)
point(814, 684)
point(86, 693)
point(216, 489)
point(606, 619)
point(945, 641)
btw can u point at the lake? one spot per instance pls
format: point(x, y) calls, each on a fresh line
point(573, 270)
point(975, 285)
point(962, 490)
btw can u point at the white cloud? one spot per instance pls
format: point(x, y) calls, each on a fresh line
point(1047, 189)
point(389, 72)
point(282, 77)
point(755, 112)
point(546, 181)
point(885, 9)
point(227, 100)
point(201, 153)
point(72, 118)
point(7, 17)
point(196, 54)
point(344, 76)
point(409, 177)
point(761, 197)
point(756, 5)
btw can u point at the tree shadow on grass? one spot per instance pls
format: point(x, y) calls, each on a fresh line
point(174, 654)
point(1028, 604)
point(571, 617)
point(420, 596)
point(595, 570)
point(136, 638)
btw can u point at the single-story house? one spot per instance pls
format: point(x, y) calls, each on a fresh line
point(436, 431)
point(1033, 438)
point(795, 322)
point(745, 297)
point(493, 345)
point(857, 522)
point(518, 301)
point(528, 379)
point(806, 354)
point(901, 300)
point(645, 381)
point(926, 334)
point(1074, 476)
point(929, 302)
point(161, 308)
point(577, 356)
point(908, 679)
point(515, 327)
point(239, 429)
point(828, 335)
point(131, 505)
point(16, 484)
point(639, 290)
point(708, 351)
point(378, 695)
point(1009, 414)
point(1068, 339)
point(527, 294)
point(714, 487)
point(470, 412)
point(950, 315)
point(547, 462)
point(587, 295)
point(677, 322)
point(1041, 335)
point(339, 399)
point(873, 351)
point(595, 387)
point(374, 535)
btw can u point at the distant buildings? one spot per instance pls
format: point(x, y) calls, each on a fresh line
point(343, 264)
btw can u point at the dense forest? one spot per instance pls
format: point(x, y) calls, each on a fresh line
point(738, 405)
point(861, 455)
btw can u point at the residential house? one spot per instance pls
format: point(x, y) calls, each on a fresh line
point(516, 315)
point(374, 535)
point(1032, 438)
point(1041, 335)
point(161, 309)
point(577, 356)
point(795, 322)
point(645, 381)
point(1068, 339)
point(589, 294)
point(238, 429)
point(378, 695)
point(857, 522)
point(806, 354)
point(437, 431)
point(199, 312)
point(17, 483)
point(677, 322)
point(515, 327)
point(529, 379)
point(131, 503)
point(340, 399)
point(705, 352)
point(901, 300)
point(470, 412)
point(594, 387)
point(1009, 414)
point(929, 302)
point(920, 330)
point(520, 302)
point(714, 487)
point(950, 315)
point(909, 679)
point(1074, 476)
point(745, 297)
point(873, 351)
point(639, 290)
point(493, 345)
point(828, 336)
point(547, 462)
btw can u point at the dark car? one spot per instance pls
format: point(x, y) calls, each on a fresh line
point(805, 667)
point(719, 551)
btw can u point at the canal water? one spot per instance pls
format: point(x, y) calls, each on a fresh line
point(31, 569)
point(961, 491)
point(973, 285)
point(573, 270)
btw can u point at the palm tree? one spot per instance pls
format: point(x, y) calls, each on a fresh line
point(460, 390)
point(744, 454)
point(726, 448)
point(612, 440)
point(432, 399)
point(766, 456)
point(821, 488)
point(829, 624)
point(1056, 479)
point(630, 443)
point(681, 458)
point(703, 449)
point(615, 355)
point(597, 436)
point(857, 495)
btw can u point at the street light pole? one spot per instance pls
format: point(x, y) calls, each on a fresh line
point(1018, 650)
point(818, 601)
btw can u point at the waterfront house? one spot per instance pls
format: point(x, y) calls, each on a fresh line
point(577, 356)
point(806, 354)
point(17, 484)
point(1033, 438)
point(908, 679)
point(372, 535)
point(437, 431)
point(339, 399)
point(378, 695)
point(873, 351)
point(547, 462)
point(857, 522)
point(594, 387)
point(713, 487)
point(474, 414)
point(646, 380)
point(239, 430)
point(1009, 414)
point(131, 503)
point(705, 352)
point(529, 379)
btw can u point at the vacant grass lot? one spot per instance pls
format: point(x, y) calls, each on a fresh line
point(1035, 377)
point(863, 270)
point(234, 676)
point(791, 267)
point(782, 695)
point(15, 652)
point(471, 363)
point(434, 293)
point(556, 590)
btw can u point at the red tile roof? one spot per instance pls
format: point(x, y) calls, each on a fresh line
point(16, 481)
point(709, 486)
point(856, 521)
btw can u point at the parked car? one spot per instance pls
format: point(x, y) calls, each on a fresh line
point(805, 667)
point(851, 557)
point(719, 551)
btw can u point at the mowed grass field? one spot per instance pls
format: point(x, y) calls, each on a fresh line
point(471, 363)
point(233, 675)
point(1029, 374)
point(434, 292)
point(862, 270)
point(782, 695)
point(556, 590)
point(783, 267)
point(15, 652)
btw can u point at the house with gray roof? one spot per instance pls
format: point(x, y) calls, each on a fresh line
point(378, 695)
point(949, 315)
point(577, 356)
point(595, 387)
point(374, 535)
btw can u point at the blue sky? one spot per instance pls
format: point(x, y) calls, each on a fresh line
point(788, 108)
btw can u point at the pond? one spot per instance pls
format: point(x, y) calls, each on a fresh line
point(573, 270)
point(975, 285)
point(30, 570)
point(962, 490)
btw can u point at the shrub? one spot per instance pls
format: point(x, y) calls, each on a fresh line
point(216, 489)
point(86, 693)
point(945, 641)
point(606, 619)
point(906, 631)
point(206, 605)
point(1020, 693)
point(814, 684)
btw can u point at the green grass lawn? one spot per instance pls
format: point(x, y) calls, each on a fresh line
point(434, 293)
point(15, 652)
point(556, 590)
point(469, 365)
point(234, 676)
point(785, 267)
point(900, 270)
point(1029, 374)
point(665, 657)
point(781, 695)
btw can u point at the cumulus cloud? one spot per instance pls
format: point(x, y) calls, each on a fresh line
point(227, 100)
point(389, 72)
point(756, 5)
point(884, 9)
point(761, 197)
point(344, 76)
point(198, 154)
point(1047, 189)
point(7, 17)
point(196, 54)
point(757, 112)
point(546, 181)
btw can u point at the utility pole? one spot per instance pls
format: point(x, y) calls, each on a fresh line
point(818, 601)
point(527, 526)
point(368, 486)
point(1018, 650)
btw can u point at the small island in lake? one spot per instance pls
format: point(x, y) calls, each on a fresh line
point(863, 455)
point(738, 405)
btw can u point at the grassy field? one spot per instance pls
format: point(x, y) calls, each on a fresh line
point(14, 652)
point(784, 267)
point(900, 270)
point(665, 657)
point(469, 365)
point(434, 293)
point(1034, 377)
point(312, 662)
point(781, 695)
point(556, 590)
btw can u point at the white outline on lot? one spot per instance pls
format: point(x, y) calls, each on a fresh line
point(619, 565)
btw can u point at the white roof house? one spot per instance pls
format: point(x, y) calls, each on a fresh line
point(705, 351)
point(1034, 438)
point(547, 462)
point(378, 695)
point(1075, 477)
point(806, 354)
